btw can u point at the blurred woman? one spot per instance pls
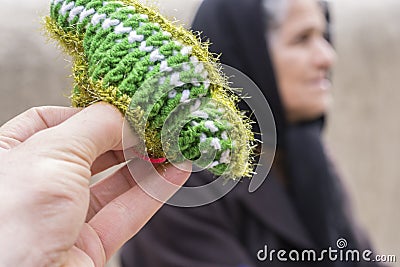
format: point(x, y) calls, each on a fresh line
point(282, 47)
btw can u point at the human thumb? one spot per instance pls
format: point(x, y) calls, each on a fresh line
point(86, 135)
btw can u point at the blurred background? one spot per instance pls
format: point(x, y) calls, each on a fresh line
point(363, 131)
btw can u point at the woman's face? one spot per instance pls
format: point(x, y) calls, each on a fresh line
point(302, 59)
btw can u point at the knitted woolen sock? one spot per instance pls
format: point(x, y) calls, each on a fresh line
point(160, 76)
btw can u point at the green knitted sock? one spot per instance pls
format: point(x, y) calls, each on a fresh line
point(161, 76)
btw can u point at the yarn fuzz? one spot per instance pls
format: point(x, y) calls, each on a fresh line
point(160, 76)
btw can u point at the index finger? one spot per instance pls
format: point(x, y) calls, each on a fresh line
point(125, 215)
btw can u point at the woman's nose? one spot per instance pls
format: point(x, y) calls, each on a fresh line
point(325, 55)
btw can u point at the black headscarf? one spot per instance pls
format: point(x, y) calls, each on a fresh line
point(236, 29)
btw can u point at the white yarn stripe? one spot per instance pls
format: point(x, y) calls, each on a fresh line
point(120, 29)
point(199, 68)
point(200, 114)
point(85, 13)
point(212, 165)
point(178, 43)
point(185, 96)
point(203, 137)
point(172, 94)
point(216, 143)
point(145, 48)
point(195, 82)
point(194, 123)
point(186, 50)
point(74, 12)
point(186, 66)
point(175, 79)
point(225, 156)
point(211, 126)
point(194, 59)
point(66, 7)
point(207, 84)
point(134, 37)
point(164, 66)
point(161, 81)
point(224, 135)
point(107, 23)
point(156, 56)
point(97, 18)
point(56, 2)
point(119, 2)
point(167, 34)
point(204, 75)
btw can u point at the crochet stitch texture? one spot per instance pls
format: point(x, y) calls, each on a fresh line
point(160, 76)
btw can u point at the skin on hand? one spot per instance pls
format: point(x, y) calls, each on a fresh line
point(51, 216)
